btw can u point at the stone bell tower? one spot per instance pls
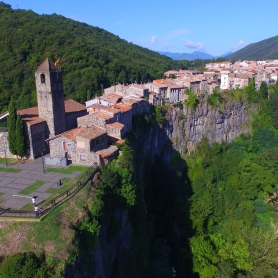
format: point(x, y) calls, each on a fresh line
point(50, 96)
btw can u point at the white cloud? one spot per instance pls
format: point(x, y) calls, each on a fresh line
point(154, 39)
point(176, 33)
point(118, 23)
point(192, 45)
point(240, 44)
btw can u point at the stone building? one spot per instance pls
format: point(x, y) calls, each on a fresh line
point(52, 116)
point(83, 145)
point(50, 96)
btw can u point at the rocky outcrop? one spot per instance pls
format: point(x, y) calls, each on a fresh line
point(186, 128)
point(111, 249)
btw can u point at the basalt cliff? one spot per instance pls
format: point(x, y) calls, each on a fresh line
point(152, 229)
point(186, 127)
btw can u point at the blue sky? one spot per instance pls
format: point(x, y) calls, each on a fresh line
point(215, 26)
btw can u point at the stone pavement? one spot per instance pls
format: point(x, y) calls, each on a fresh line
point(31, 171)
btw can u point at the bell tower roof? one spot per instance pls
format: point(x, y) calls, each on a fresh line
point(47, 65)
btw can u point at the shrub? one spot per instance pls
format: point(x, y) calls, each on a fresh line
point(192, 100)
point(159, 115)
point(24, 265)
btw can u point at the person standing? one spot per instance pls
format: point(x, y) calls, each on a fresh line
point(34, 201)
point(36, 211)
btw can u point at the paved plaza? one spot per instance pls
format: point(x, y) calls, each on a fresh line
point(31, 171)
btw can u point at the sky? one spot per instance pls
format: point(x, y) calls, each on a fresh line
point(215, 27)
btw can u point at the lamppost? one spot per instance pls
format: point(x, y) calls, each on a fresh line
point(42, 164)
point(6, 157)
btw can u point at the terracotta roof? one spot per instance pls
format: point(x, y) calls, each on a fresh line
point(30, 115)
point(157, 85)
point(47, 65)
point(175, 86)
point(122, 106)
point(138, 86)
point(101, 115)
point(120, 141)
point(112, 98)
point(70, 134)
point(73, 106)
point(90, 132)
point(108, 151)
point(131, 101)
point(102, 108)
point(161, 81)
point(116, 125)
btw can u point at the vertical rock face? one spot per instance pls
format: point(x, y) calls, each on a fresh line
point(109, 250)
point(186, 128)
point(183, 128)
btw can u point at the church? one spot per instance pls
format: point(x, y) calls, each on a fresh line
point(52, 116)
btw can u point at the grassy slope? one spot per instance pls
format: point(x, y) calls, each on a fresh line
point(52, 236)
point(265, 49)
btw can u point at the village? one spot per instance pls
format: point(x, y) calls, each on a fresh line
point(86, 134)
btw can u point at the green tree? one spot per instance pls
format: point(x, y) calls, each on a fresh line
point(252, 94)
point(264, 90)
point(273, 108)
point(12, 128)
point(25, 265)
point(159, 115)
point(20, 138)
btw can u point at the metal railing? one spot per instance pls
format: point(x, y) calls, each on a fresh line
point(53, 203)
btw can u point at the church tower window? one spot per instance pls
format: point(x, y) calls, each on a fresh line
point(42, 78)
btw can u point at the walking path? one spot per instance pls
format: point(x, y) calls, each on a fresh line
point(31, 171)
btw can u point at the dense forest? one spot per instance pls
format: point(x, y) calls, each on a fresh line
point(90, 56)
point(265, 49)
point(205, 213)
point(211, 212)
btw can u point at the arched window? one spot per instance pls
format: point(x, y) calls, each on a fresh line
point(42, 78)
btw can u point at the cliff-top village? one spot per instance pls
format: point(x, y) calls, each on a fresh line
point(72, 132)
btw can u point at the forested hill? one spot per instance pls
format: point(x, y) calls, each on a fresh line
point(90, 56)
point(265, 49)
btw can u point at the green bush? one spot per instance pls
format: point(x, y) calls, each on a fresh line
point(215, 98)
point(192, 100)
point(159, 115)
point(25, 265)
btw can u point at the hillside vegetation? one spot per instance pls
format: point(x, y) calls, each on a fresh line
point(213, 215)
point(90, 56)
point(265, 49)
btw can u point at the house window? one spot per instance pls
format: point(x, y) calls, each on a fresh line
point(69, 156)
point(82, 157)
point(80, 144)
point(65, 146)
point(42, 78)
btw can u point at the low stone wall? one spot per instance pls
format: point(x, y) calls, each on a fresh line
point(56, 161)
point(4, 145)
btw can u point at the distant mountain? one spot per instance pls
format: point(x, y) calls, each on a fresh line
point(224, 55)
point(192, 56)
point(265, 49)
